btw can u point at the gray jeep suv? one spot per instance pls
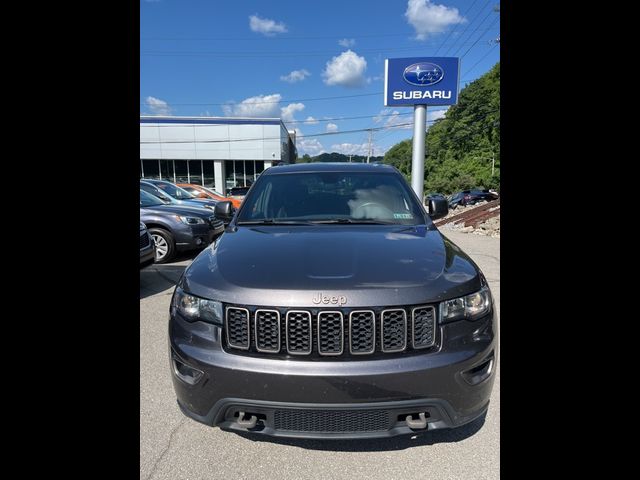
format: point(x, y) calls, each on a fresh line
point(332, 307)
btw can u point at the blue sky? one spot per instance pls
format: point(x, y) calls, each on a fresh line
point(284, 58)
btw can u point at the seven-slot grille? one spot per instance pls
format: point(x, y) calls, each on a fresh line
point(312, 333)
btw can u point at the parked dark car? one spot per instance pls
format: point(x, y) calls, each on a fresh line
point(471, 197)
point(433, 196)
point(177, 228)
point(147, 247)
point(332, 307)
point(163, 189)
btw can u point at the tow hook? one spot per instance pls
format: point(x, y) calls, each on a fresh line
point(250, 423)
point(417, 424)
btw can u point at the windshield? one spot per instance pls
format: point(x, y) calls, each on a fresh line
point(176, 192)
point(148, 200)
point(327, 197)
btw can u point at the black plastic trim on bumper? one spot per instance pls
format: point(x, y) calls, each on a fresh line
point(441, 415)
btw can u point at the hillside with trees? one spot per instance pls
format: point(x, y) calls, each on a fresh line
point(460, 147)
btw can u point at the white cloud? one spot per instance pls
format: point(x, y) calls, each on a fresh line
point(392, 118)
point(347, 42)
point(436, 114)
point(287, 113)
point(258, 106)
point(332, 127)
point(266, 26)
point(157, 106)
point(357, 149)
point(310, 146)
point(263, 106)
point(429, 19)
point(347, 69)
point(311, 121)
point(295, 76)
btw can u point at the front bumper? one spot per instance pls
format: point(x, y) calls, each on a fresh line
point(191, 237)
point(306, 399)
point(147, 255)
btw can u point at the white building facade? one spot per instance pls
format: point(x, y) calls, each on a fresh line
point(218, 153)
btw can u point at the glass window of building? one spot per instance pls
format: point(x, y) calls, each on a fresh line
point(181, 171)
point(151, 168)
point(250, 170)
point(195, 172)
point(240, 177)
point(259, 167)
point(209, 175)
point(166, 170)
point(230, 174)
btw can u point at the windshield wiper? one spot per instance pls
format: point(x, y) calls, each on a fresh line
point(271, 221)
point(350, 221)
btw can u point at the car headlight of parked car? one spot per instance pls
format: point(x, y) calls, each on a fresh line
point(470, 307)
point(194, 308)
point(190, 220)
point(142, 226)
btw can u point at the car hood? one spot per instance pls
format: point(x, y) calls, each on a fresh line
point(182, 209)
point(367, 265)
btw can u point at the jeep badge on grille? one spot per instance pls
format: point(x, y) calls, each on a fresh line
point(333, 300)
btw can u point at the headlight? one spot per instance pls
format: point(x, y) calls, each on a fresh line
point(470, 307)
point(190, 220)
point(194, 308)
point(142, 226)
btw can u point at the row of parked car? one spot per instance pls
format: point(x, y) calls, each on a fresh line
point(178, 217)
point(467, 197)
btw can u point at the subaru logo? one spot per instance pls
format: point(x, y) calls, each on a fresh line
point(423, 74)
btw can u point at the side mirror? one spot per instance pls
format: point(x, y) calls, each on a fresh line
point(438, 208)
point(224, 211)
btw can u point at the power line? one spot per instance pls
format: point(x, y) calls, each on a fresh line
point(453, 29)
point(232, 103)
point(480, 37)
point(233, 140)
point(470, 23)
point(483, 57)
point(253, 38)
point(254, 53)
point(281, 101)
point(472, 33)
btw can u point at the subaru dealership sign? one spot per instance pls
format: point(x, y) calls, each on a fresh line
point(421, 81)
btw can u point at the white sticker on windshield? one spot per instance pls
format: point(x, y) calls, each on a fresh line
point(403, 215)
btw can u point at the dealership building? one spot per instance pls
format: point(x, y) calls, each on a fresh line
point(218, 153)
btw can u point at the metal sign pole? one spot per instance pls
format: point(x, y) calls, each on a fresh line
point(417, 160)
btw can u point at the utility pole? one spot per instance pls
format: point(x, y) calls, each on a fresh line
point(350, 158)
point(369, 153)
point(493, 163)
point(417, 159)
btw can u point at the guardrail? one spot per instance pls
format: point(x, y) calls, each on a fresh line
point(473, 217)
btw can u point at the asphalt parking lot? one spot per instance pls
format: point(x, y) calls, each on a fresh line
point(173, 446)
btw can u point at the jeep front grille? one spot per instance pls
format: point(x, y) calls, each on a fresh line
point(344, 332)
point(330, 333)
point(424, 327)
point(238, 327)
point(394, 330)
point(298, 332)
point(267, 330)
